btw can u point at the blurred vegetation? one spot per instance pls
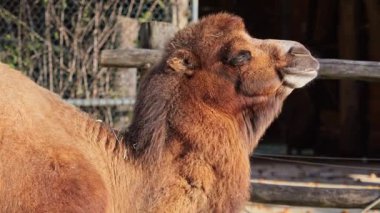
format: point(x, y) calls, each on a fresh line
point(57, 43)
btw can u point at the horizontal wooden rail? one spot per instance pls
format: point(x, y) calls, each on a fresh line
point(347, 69)
point(314, 194)
point(330, 68)
point(130, 57)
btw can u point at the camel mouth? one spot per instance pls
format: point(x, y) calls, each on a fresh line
point(294, 77)
point(302, 69)
point(297, 79)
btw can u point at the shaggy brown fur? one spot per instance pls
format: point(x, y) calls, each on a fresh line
point(199, 114)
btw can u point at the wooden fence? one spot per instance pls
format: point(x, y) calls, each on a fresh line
point(145, 58)
point(333, 195)
point(330, 68)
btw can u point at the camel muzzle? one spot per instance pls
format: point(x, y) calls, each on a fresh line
point(301, 66)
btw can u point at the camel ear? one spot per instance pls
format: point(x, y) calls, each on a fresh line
point(182, 61)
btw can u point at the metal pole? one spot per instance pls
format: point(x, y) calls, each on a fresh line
point(194, 10)
point(101, 102)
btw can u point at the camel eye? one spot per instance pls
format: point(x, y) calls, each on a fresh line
point(186, 61)
point(241, 58)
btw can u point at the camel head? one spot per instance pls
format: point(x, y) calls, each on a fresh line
point(220, 62)
point(216, 66)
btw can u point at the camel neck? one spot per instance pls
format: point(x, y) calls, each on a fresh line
point(206, 150)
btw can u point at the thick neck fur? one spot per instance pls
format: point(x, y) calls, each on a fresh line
point(186, 144)
point(148, 131)
point(258, 117)
point(178, 147)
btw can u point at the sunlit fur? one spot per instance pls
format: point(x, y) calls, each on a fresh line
point(187, 150)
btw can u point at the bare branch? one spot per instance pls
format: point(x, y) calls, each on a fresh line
point(49, 44)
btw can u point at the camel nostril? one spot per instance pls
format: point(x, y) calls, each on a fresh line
point(298, 50)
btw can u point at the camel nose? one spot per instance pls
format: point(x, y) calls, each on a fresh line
point(301, 67)
point(289, 47)
point(298, 50)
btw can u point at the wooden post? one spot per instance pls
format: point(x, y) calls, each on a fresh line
point(325, 13)
point(180, 13)
point(350, 142)
point(373, 8)
point(155, 35)
point(373, 17)
point(126, 78)
point(127, 36)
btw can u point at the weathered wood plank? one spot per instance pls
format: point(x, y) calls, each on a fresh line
point(330, 68)
point(350, 142)
point(155, 35)
point(373, 16)
point(349, 69)
point(129, 57)
point(373, 44)
point(251, 207)
point(125, 81)
point(180, 12)
point(127, 35)
point(313, 194)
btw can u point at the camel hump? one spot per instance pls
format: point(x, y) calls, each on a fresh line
point(9, 76)
point(24, 104)
point(19, 92)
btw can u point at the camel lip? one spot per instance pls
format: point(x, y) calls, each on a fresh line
point(297, 79)
point(301, 64)
point(306, 72)
point(300, 54)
